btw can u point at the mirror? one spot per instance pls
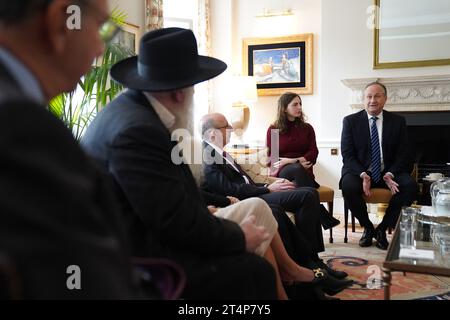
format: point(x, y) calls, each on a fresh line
point(411, 33)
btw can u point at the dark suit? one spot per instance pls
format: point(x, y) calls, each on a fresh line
point(56, 210)
point(356, 154)
point(222, 178)
point(164, 211)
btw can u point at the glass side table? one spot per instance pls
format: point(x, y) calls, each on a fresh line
point(438, 266)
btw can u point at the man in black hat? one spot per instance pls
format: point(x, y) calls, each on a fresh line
point(59, 230)
point(165, 213)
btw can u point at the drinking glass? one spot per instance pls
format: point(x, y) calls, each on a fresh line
point(406, 235)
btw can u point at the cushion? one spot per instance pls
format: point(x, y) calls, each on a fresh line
point(379, 195)
point(326, 194)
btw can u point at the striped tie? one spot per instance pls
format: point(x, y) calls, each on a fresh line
point(375, 154)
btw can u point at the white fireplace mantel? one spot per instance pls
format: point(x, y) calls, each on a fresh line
point(411, 94)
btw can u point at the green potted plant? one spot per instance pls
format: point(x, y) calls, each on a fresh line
point(77, 108)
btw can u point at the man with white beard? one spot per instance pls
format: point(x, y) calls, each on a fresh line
point(165, 214)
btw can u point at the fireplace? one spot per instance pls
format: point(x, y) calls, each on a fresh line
point(429, 135)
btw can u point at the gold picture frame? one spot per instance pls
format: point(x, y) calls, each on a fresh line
point(280, 64)
point(129, 37)
point(410, 35)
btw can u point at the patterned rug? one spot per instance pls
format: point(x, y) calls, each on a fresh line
point(364, 266)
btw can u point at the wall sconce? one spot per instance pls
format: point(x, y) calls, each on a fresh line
point(271, 13)
point(243, 92)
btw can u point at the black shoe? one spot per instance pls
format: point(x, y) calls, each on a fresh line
point(329, 222)
point(328, 283)
point(366, 239)
point(335, 273)
point(326, 219)
point(380, 237)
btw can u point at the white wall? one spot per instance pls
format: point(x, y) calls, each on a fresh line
point(347, 52)
point(343, 48)
point(233, 20)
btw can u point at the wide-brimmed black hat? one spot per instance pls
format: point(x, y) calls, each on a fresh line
point(168, 59)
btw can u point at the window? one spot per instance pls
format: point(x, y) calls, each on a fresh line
point(185, 14)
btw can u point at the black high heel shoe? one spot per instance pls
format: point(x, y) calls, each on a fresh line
point(323, 282)
point(328, 283)
point(334, 273)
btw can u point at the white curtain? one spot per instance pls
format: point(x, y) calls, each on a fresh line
point(154, 17)
point(204, 44)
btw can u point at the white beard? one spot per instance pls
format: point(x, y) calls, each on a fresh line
point(184, 114)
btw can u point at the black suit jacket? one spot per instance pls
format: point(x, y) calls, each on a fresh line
point(213, 199)
point(222, 178)
point(356, 148)
point(56, 208)
point(164, 210)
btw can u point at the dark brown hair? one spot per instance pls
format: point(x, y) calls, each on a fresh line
point(282, 121)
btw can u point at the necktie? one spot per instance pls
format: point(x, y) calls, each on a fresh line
point(375, 151)
point(226, 155)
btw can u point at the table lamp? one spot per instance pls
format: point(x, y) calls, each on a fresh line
point(243, 92)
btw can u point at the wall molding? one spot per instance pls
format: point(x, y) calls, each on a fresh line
point(321, 144)
point(407, 94)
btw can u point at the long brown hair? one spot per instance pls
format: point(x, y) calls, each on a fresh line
point(282, 120)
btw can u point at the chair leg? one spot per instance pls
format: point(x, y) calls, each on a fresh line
point(353, 222)
point(330, 210)
point(345, 221)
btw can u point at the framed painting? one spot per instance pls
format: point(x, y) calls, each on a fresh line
point(129, 37)
point(411, 33)
point(280, 64)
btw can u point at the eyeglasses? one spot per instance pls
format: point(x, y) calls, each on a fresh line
point(227, 126)
point(109, 28)
point(108, 31)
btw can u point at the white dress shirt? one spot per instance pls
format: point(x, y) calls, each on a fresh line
point(379, 124)
point(167, 118)
point(220, 151)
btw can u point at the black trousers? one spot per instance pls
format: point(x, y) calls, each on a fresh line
point(296, 173)
point(243, 276)
point(304, 203)
point(352, 191)
point(299, 175)
point(294, 242)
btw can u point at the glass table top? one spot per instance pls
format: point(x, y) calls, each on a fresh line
point(439, 264)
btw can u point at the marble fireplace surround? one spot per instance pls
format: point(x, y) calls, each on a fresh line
point(406, 94)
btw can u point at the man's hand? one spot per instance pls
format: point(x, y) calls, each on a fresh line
point(233, 200)
point(283, 162)
point(254, 235)
point(393, 186)
point(212, 209)
point(281, 185)
point(366, 184)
